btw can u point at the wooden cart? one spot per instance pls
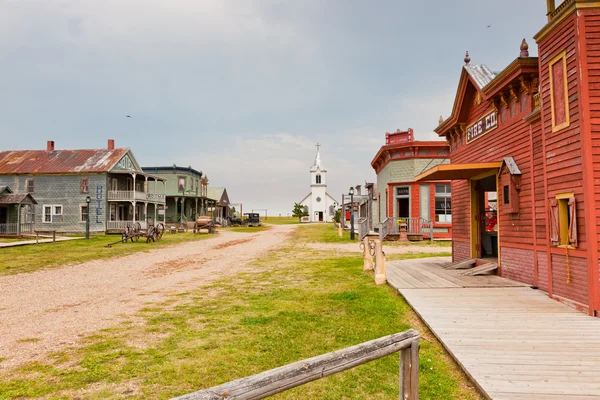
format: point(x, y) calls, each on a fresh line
point(204, 222)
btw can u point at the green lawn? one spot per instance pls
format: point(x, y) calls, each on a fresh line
point(11, 240)
point(14, 260)
point(297, 304)
point(281, 220)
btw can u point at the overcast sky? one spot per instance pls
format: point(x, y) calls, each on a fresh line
point(244, 89)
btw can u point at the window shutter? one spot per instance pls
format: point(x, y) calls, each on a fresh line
point(573, 224)
point(554, 222)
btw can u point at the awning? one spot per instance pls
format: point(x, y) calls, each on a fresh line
point(448, 172)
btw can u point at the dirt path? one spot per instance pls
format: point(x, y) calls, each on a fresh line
point(46, 310)
point(354, 247)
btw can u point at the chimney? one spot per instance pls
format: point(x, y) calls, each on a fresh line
point(111, 144)
point(50, 145)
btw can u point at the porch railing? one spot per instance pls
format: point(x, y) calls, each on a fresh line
point(289, 376)
point(120, 225)
point(414, 226)
point(130, 195)
point(363, 228)
point(13, 228)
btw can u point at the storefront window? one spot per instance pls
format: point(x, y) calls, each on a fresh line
point(443, 206)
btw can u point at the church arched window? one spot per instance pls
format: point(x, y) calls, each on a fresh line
point(318, 178)
point(306, 209)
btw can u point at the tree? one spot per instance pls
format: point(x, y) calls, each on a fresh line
point(298, 211)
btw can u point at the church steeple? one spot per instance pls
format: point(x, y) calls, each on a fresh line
point(317, 164)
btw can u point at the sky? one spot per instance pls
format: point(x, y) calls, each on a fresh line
point(243, 90)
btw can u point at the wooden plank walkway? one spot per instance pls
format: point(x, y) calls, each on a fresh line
point(513, 341)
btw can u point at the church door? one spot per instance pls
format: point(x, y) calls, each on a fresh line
point(320, 216)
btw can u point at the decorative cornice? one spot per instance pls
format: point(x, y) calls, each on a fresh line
point(513, 95)
point(517, 65)
point(503, 100)
point(524, 85)
point(562, 13)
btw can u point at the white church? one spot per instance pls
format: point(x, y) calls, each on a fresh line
point(319, 205)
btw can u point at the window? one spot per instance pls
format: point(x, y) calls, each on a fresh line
point(83, 213)
point(47, 213)
point(114, 184)
point(318, 179)
point(563, 224)
point(443, 205)
point(52, 213)
point(29, 185)
point(84, 185)
point(505, 195)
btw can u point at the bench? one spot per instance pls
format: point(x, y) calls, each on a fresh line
point(38, 233)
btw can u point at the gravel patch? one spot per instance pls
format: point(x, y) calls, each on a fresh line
point(57, 307)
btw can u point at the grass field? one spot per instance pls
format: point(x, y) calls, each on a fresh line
point(297, 304)
point(15, 260)
point(281, 220)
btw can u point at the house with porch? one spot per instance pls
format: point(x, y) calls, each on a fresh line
point(398, 196)
point(107, 185)
point(186, 193)
point(16, 212)
point(220, 209)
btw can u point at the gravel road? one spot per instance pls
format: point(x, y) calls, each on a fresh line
point(44, 311)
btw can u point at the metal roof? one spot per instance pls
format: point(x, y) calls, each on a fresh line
point(18, 198)
point(480, 74)
point(59, 161)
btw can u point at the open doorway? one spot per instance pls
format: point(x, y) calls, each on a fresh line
point(403, 202)
point(486, 218)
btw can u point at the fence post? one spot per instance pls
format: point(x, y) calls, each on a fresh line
point(409, 372)
point(368, 259)
point(379, 263)
point(340, 231)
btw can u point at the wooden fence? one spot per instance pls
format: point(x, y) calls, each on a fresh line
point(289, 376)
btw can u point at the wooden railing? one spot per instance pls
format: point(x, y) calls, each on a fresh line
point(385, 228)
point(130, 195)
point(558, 10)
point(13, 228)
point(419, 226)
point(120, 225)
point(289, 376)
point(363, 228)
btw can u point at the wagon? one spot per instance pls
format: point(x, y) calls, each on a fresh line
point(204, 222)
point(135, 231)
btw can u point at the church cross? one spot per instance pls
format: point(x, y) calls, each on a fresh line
point(317, 146)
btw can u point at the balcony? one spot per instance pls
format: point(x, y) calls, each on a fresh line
point(134, 195)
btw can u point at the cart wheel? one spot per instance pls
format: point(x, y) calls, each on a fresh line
point(159, 231)
point(137, 227)
point(135, 237)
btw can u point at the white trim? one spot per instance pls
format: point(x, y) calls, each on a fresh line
point(44, 213)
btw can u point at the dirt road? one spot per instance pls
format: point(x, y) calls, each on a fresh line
point(46, 310)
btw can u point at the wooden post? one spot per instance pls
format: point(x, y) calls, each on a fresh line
point(409, 372)
point(379, 263)
point(368, 259)
point(340, 231)
point(54, 235)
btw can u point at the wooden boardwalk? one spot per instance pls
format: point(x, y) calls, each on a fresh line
point(513, 341)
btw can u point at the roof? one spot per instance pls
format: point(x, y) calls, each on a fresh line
point(18, 198)
point(5, 189)
point(317, 164)
point(480, 74)
point(174, 169)
point(448, 172)
point(59, 161)
point(218, 194)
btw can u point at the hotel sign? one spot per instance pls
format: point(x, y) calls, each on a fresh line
point(482, 126)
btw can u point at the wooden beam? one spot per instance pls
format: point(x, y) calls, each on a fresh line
point(289, 376)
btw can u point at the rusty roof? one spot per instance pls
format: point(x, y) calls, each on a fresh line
point(18, 198)
point(59, 161)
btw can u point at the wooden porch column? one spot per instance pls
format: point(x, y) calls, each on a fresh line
point(146, 213)
point(18, 220)
point(196, 209)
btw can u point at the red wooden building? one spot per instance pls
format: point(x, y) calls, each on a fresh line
point(399, 196)
point(531, 135)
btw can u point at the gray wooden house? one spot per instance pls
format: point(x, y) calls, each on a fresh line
point(60, 181)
